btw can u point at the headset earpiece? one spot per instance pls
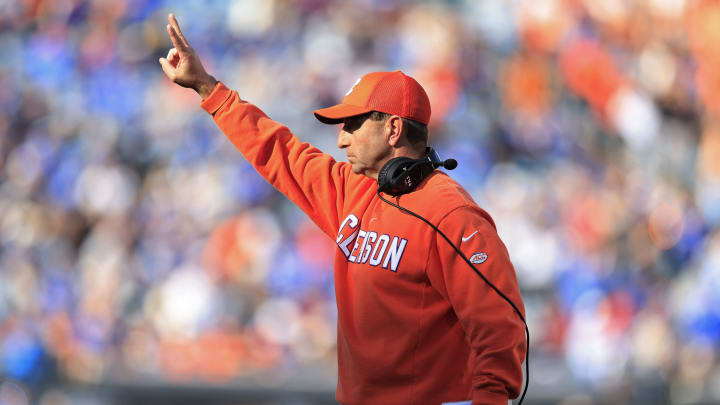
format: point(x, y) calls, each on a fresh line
point(401, 175)
point(391, 174)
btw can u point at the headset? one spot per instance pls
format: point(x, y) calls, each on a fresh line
point(401, 175)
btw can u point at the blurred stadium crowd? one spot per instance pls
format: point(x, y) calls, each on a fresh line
point(137, 244)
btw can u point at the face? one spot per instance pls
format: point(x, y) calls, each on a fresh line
point(365, 143)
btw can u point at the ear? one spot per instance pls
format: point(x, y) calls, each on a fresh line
point(394, 127)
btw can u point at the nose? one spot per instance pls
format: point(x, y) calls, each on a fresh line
point(343, 140)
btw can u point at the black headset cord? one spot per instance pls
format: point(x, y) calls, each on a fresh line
point(500, 293)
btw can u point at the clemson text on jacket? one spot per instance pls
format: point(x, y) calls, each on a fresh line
point(369, 246)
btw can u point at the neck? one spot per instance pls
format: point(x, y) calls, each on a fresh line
point(409, 151)
point(403, 151)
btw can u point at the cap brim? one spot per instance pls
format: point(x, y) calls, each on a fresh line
point(337, 113)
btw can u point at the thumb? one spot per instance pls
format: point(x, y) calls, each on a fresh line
point(167, 68)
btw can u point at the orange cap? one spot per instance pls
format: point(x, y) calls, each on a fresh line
point(390, 92)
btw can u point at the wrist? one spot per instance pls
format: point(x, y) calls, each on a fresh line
point(206, 86)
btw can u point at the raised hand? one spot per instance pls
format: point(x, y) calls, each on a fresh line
point(182, 65)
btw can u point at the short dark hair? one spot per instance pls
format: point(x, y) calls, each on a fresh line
point(417, 132)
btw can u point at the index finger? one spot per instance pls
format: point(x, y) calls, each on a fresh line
point(176, 26)
point(175, 38)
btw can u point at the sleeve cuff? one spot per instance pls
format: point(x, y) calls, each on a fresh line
point(216, 99)
point(488, 398)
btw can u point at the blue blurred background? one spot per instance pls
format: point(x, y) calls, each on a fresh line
point(142, 260)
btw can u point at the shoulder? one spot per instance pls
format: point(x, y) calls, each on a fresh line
point(441, 198)
point(443, 186)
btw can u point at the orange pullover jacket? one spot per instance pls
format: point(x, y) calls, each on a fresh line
point(416, 325)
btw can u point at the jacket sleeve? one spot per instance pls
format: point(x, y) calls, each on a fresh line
point(313, 180)
point(494, 330)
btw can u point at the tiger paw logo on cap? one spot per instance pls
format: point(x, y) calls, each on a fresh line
point(478, 257)
point(353, 86)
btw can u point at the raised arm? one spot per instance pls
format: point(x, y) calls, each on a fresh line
point(313, 180)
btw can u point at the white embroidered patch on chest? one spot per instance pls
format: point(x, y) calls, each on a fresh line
point(478, 257)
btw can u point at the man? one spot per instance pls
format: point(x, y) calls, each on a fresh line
point(416, 324)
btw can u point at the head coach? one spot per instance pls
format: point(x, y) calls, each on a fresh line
point(429, 309)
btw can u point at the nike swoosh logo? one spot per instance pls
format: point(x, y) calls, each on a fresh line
point(467, 238)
